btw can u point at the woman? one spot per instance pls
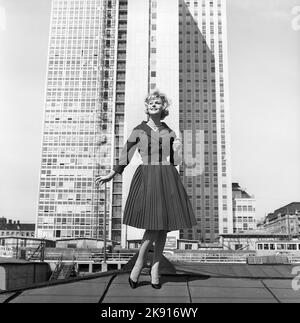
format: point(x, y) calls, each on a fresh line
point(157, 200)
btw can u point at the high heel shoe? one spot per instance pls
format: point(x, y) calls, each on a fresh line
point(155, 286)
point(132, 284)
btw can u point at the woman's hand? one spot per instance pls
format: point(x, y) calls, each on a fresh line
point(177, 144)
point(104, 179)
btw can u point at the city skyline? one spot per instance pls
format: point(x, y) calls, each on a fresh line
point(255, 169)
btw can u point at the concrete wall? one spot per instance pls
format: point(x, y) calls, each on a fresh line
point(14, 275)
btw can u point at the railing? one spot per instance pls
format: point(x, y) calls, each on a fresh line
point(95, 257)
point(293, 259)
point(37, 253)
point(120, 257)
point(56, 271)
point(31, 255)
point(209, 258)
point(109, 256)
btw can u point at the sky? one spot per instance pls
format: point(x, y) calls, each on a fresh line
point(264, 83)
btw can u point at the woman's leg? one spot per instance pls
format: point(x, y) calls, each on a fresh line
point(148, 239)
point(160, 242)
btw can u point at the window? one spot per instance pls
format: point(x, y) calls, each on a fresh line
point(292, 246)
point(188, 246)
point(281, 246)
point(238, 246)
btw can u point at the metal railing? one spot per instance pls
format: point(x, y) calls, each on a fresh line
point(95, 257)
point(294, 259)
point(209, 258)
point(100, 256)
point(190, 258)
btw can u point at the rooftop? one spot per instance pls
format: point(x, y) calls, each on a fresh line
point(290, 208)
point(190, 283)
point(238, 192)
point(15, 225)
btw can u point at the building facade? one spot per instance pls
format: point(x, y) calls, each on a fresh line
point(104, 57)
point(16, 229)
point(285, 220)
point(243, 209)
point(81, 116)
point(203, 114)
point(262, 242)
point(182, 51)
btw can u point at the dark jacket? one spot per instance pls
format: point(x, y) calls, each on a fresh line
point(155, 147)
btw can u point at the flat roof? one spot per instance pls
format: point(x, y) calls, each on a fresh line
point(192, 283)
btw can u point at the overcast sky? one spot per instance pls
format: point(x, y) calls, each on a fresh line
point(264, 83)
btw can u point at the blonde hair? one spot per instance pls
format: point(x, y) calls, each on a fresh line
point(165, 103)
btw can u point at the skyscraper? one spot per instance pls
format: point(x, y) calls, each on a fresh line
point(104, 57)
point(80, 119)
point(204, 108)
point(180, 47)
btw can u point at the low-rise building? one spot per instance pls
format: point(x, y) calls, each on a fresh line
point(260, 241)
point(183, 244)
point(15, 228)
point(243, 204)
point(285, 220)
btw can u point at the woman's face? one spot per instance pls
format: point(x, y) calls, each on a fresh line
point(155, 106)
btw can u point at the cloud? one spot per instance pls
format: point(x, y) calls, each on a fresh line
point(2, 19)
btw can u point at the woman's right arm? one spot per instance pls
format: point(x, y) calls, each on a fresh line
point(127, 151)
point(103, 179)
point(124, 159)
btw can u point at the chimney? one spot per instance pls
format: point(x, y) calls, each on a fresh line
point(18, 222)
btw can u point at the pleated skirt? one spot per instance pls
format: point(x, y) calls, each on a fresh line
point(157, 200)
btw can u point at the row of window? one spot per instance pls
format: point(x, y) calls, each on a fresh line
point(244, 219)
point(278, 246)
point(17, 233)
point(244, 208)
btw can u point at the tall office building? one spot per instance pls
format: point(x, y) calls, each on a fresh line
point(104, 57)
point(204, 108)
point(81, 117)
point(180, 47)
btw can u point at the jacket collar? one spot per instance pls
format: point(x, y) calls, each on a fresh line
point(148, 129)
point(154, 135)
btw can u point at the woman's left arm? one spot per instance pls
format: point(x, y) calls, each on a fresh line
point(176, 149)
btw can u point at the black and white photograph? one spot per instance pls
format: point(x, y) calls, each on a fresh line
point(150, 154)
